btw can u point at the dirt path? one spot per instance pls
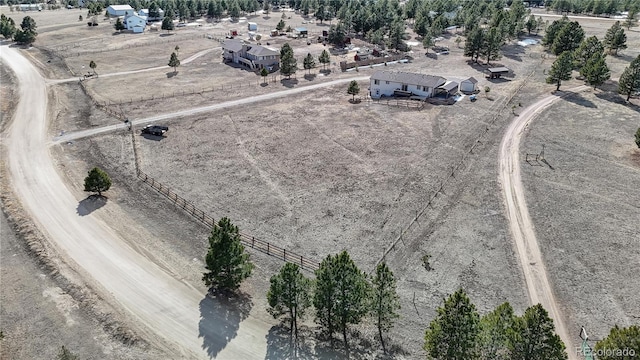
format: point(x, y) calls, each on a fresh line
point(524, 237)
point(249, 100)
point(187, 322)
point(120, 73)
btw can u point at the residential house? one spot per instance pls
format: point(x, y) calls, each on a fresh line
point(145, 12)
point(389, 83)
point(250, 55)
point(119, 10)
point(135, 22)
point(469, 85)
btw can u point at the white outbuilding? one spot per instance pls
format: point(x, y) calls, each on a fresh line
point(469, 85)
point(119, 10)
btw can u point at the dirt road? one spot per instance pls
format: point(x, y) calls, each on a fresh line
point(524, 237)
point(90, 132)
point(120, 73)
point(184, 320)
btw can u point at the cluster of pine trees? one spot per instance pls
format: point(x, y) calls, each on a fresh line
point(25, 35)
point(594, 7)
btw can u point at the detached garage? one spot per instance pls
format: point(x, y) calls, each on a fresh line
point(469, 86)
point(119, 10)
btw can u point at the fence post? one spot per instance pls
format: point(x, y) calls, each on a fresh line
point(253, 241)
point(267, 248)
point(284, 254)
point(301, 262)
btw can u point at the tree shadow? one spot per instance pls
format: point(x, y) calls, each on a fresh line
point(498, 80)
point(580, 100)
point(220, 318)
point(281, 345)
point(165, 34)
point(289, 82)
point(513, 52)
point(310, 77)
point(152, 137)
point(90, 204)
point(325, 71)
point(616, 98)
point(171, 74)
point(625, 57)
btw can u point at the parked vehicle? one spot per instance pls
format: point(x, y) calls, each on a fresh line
point(156, 130)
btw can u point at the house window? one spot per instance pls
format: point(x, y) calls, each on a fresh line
point(405, 87)
point(376, 82)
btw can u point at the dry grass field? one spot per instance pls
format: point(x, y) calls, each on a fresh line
point(317, 174)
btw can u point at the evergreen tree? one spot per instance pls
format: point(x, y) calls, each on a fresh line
point(264, 73)
point(340, 296)
point(629, 82)
point(531, 24)
point(427, 41)
point(533, 337)
point(552, 31)
point(631, 21)
point(620, 338)
point(167, 23)
point(492, 42)
point(324, 58)
point(396, 33)
point(280, 25)
point(289, 294)
point(288, 63)
point(561, 69)
point(353, 89)
point(474, 43)
point(494, 330)
point(454, 331)
point(65, 354)
point(97, 181)
point(336, 34)
point(174, 62)
point(309, 62)
point(226, 261)
point(385, 301)
point(568, 38)
point(615, 39)
point(637, 143)
point(119, 26)
point(596, 70)
point(7, 27)
point(93, 66)
point(27, 34)
point(589, 48)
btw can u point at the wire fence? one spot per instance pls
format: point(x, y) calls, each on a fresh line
point(451, 173)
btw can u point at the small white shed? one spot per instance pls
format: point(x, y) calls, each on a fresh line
point(119, 10)
point(469, 85)
point(252, 26)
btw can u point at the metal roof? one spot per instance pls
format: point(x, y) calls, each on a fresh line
point(258, 50)
point(451, 85)
point(498, 69)
point(472, 80)
point(232, 44)
point(409, 78)
point(120, 7)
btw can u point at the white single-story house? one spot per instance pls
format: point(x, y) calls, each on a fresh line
point(119, 10)
point(30, 7)
point(145, 12)
point(250, 55)
point(469, 85)
point(389, 83)
point(135, 22)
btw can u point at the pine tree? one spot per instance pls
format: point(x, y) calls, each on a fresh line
point(629, 82)
point(226, 261)
point(119, 26)
point(288, 64)
point(631, 20)
point(561, 69)
point(167, 23)
point(309, 62)
point(533, 337)
point(324, 58)
point(289, 294)
point(340, 296)
point(427, 41)
point(65, 354)
point(93, 66)
point(620, 338)
point(97, 181)
point(7, 27)
point(531, 24)
point(494, 330)
point(385, 301)
point(473, 45)
point(454, 331)
point(280, 25)
point(174, 62)
point(615, 39)
point(568, 38)
point(588, 48)
point(638, 143)
point(492, 42)
point(264, 73)
point(552, 31)
point(353, 89)
point(596, 70)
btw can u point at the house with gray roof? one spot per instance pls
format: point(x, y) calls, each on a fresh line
point(390, 83)
point(250, 55)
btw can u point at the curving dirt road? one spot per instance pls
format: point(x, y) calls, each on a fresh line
point(520, 223)
point(187, 322)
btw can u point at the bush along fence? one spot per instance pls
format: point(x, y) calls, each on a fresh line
point(245, 239)
point(451, 173)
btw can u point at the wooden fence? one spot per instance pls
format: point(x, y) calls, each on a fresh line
point(399, 102)
point(246, 239)
point(344, 66)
